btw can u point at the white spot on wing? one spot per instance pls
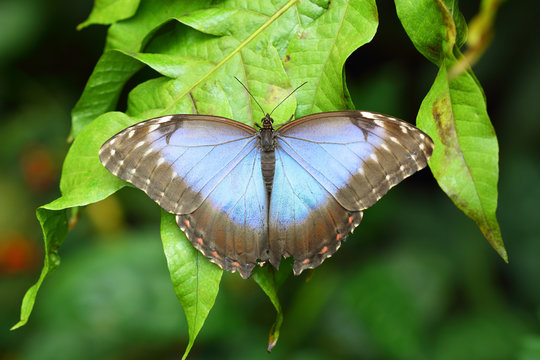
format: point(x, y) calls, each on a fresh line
point(368, 115)
point(160, 161)
point(133, 171)
point(379, 123)
point(113, 152)
point(403, 129)
point(153, 127)
point(394, 140)
point(374, 157)
point(422, 136)
point(131, 133)
point(422, 146)
point(139, 144)
point(385, 147)
point(164, 119)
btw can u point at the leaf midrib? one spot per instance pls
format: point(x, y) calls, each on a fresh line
point(231, 55)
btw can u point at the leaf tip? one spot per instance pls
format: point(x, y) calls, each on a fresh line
point(274, 333)
point(272, 341)
point(502, 253)
point(81, 26)
point(17, 325)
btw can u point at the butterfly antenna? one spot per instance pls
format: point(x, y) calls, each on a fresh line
point(253, 97)
point(292, 92)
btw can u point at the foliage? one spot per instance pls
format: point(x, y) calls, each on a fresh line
point(195, 49)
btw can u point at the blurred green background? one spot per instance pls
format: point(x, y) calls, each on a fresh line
point(416, 280)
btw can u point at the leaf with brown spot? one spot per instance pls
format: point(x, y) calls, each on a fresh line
point(465, 159)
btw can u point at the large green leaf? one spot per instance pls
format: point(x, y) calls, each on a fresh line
point(268, 45)
point(195, 280)
point(103, 88)
point(114, 69)
point(465, 160)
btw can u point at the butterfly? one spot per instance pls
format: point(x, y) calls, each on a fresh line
point(246, 196)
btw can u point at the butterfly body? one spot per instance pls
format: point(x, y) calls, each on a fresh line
point(268, 156)
point(245, 196)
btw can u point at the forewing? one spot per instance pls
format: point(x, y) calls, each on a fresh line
point(356, 156)
point(207, 171)
point(177, 160)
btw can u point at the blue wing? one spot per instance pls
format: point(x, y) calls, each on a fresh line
point(330, 167)
point(357, 156)
point(207, 171)
point(305, 220)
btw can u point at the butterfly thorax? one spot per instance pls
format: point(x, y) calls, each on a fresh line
point(267, 134)
point(268, 156)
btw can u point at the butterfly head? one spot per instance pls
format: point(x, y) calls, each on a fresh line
point(267, 122)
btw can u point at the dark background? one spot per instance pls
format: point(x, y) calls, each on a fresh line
point(416, 281)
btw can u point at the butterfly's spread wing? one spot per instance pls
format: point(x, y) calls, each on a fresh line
point(305, 220)
point(207, 171)
point(330, 167)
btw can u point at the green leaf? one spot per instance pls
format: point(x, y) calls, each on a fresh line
point(84, 181)
point(114, 69)
point(103, 88)
point(107, 12)
point(54, 224)
point(133, 33)
point(267, 45)
point(465, 160)
point(265, 278)
point(195, 279)
point(429, 25)
point(317, 52)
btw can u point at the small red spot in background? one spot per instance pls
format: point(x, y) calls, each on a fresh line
point(18, 254)
point(38, 167)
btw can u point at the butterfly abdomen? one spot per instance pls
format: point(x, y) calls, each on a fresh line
point(268, 157)
point(268, 166)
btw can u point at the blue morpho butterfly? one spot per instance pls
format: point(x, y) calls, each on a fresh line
point(245, 196)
